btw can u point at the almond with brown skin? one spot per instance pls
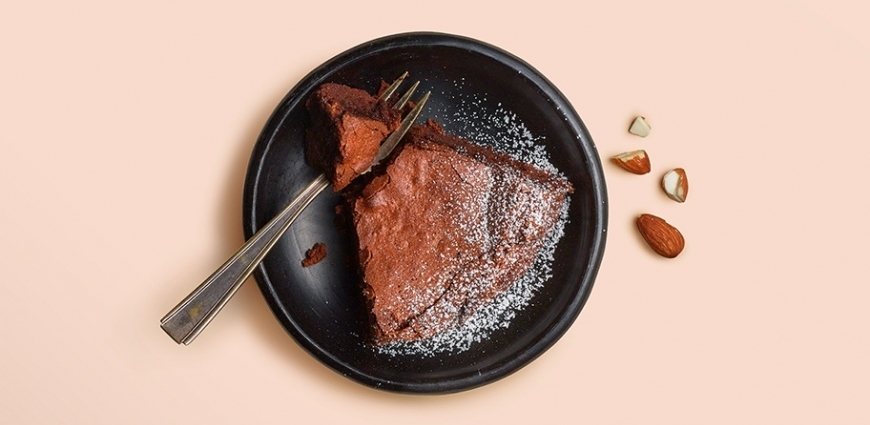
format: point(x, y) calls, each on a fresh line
point(636, 162)
point(676, 184)
point(663, 238)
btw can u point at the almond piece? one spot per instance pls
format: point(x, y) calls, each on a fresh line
point(676, 185)
point(663, 238)
point(636, 162)
point(639, 127)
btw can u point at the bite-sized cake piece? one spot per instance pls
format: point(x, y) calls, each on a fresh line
point(347, 128)
point(446, 227)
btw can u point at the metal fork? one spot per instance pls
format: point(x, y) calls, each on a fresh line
point(184, 322)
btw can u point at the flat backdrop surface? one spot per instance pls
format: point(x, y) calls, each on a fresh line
point(125, 132)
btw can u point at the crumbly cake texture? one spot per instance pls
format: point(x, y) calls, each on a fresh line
point(314, 255)
point(446, 228)
point(347, 128)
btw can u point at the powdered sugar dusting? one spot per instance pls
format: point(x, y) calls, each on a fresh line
point(494, 125)
point(497, 127)
point(495, 315)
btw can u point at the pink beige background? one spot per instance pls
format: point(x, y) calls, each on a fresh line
point(125, 132)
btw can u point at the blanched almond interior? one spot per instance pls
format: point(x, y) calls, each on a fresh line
point(671, 183)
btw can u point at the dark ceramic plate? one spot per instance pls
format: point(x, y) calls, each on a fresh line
point(321, 306)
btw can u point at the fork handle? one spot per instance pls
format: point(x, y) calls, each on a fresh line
point(184, 322)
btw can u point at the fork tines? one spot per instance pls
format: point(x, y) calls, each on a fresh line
point(394, 138)
point(393, 87)
point(403, 100)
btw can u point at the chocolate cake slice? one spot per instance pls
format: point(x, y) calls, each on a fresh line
point(347, 128)
point(444, 228)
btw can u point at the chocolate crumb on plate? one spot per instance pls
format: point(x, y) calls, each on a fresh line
point(314, 255)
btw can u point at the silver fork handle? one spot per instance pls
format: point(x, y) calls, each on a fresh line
point(194, 313)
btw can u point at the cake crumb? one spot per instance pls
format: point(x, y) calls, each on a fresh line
point(314, 255)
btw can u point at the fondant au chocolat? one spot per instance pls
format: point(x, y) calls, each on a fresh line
point(444, 228)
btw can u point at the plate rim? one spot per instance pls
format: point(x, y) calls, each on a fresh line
point(569, 115)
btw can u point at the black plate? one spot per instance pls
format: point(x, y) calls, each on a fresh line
point(321, 306)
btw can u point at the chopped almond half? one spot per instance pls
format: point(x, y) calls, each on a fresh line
point(676, 185)
point(636, 162)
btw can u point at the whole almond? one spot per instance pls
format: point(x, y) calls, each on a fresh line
point(676, 184)
point(663, 238)
point(636, 162)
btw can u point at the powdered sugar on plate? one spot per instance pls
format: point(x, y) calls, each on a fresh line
point(494, 126)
